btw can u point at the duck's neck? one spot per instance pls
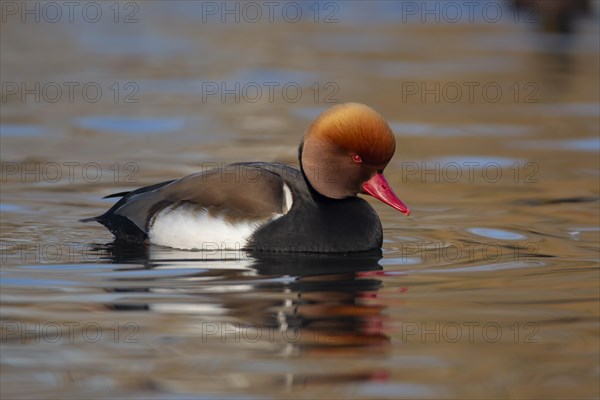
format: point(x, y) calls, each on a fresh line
point(315, 195)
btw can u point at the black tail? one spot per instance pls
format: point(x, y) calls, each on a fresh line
point(120, 194)
point(120, 226)
point(99, 218)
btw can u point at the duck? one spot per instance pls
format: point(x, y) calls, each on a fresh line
point(270, 206)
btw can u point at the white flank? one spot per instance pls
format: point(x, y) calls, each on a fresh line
point(287, 202)
point(188, 228)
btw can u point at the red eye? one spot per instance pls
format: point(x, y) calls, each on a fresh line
point(356, 158)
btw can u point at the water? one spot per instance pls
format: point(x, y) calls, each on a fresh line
point(489, 288)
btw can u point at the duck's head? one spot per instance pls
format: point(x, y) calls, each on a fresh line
point(345, 151)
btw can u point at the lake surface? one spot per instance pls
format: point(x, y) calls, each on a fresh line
point(490, 289)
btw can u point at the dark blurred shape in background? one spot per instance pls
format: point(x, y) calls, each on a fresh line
point(558, 16)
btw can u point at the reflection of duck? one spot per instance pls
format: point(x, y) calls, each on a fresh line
point(270, 206)
point(325, 294)
point(320, 305)
point(329, 310)
point(555, 15)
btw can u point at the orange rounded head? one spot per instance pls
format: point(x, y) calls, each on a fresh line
point(345, 151)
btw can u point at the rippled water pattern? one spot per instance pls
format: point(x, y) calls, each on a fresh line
point(490, 289)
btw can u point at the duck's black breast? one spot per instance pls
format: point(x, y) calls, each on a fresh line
point(319, 224)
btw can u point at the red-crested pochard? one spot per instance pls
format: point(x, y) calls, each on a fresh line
point(271, 206)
